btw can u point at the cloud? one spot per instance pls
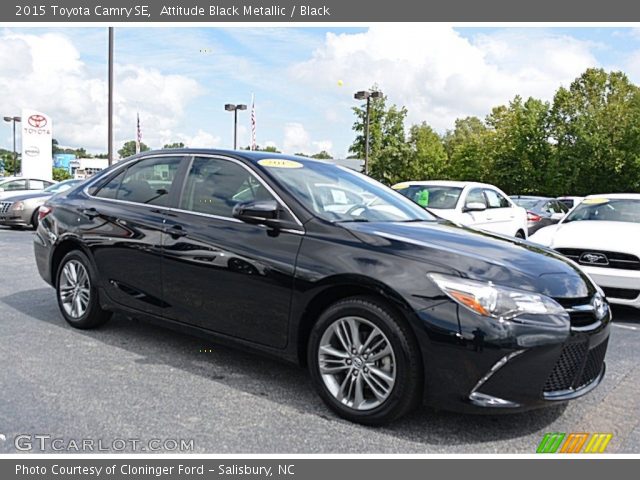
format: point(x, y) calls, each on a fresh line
point(296, 138)
point(441, 75)
point(46, 72)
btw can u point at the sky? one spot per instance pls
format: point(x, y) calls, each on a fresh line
point(303, 79)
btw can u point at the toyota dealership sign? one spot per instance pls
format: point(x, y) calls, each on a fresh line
point(37, 135)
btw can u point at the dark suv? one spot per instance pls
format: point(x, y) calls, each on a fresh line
point(386, 304)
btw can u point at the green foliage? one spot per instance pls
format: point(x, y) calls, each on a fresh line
point(586, 141)
point(10, 164)
point(60, 174)
point(129, 148)
point(322, 155)
point(174, 145)
point(269, 148)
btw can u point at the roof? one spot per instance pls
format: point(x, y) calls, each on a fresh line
point(442, 183)
point(530, 197)
point(252, 156)
point(613, 196)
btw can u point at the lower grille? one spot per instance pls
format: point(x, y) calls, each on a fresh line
point(622, 293)
point(568, 367)
point(577, 366)
point(593, 366)
point(4, 206)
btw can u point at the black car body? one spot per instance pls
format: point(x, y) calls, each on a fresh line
point(271, 274)
point(541, 211)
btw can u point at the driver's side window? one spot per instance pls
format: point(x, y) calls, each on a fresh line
point(476, 196)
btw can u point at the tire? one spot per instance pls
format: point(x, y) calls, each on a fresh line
point(34, 220)
point(76, 278)
point(338, 386)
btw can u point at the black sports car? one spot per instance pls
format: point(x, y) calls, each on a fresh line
point(385, 303)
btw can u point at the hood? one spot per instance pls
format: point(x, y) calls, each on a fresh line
point(597, 235)
point(26, 196)
point(478, 255)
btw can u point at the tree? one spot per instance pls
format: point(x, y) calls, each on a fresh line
point(129, 148)
point(11, 164)
point(60, 174)
point(268, 148)
point(429, 158)
point(596, 125)
point(174, 145)
point(389, 151)
point(322, 155)
point(466, 147)
point(521, 156)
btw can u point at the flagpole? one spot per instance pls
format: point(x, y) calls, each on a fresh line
point(253, 122)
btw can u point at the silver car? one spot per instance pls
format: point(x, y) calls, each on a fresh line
point(22, 210)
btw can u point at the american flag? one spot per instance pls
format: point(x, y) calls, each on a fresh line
point(253, 122)
point(138, 135)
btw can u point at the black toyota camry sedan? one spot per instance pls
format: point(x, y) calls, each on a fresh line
point(387, 305)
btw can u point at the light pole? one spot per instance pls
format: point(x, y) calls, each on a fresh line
point(367, 95)
point(14, 120)
point(230, 107)
point(110, 99)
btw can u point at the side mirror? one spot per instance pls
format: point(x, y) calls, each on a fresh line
point(263, 212)
point(475, 207)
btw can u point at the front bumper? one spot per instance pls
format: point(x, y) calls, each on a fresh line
point(487, 367)
point(621, 287)
point(15, 219)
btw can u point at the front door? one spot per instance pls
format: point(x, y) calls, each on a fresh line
point(220, 273)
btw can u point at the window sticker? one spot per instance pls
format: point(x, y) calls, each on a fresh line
point(279, 163)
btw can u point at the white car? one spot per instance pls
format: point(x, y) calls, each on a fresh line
point(602, 235)
point(476, 205)
point(10, 186)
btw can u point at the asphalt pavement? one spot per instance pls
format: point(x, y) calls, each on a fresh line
point(131, 386)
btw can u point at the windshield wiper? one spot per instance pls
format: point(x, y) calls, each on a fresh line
point(352, 220)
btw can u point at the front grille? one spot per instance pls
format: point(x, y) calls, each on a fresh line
point(622, 261)
point(4, 206)
point(622, 293)
point(577, 366)
point(578, 317)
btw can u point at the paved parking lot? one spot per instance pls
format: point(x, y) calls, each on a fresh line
point(131, 380)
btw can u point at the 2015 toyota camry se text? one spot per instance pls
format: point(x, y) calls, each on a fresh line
point(387, 305)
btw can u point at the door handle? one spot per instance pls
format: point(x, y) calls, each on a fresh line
point(90, 212)
point(176, 231)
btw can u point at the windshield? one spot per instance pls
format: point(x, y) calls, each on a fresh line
point(610, 210)
point(61, 187)
point(338, 194)
point(526, 203)
point(432, 196)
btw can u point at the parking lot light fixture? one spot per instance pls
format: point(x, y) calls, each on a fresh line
point(367, 95)
point(230, 107)
point(14, 120)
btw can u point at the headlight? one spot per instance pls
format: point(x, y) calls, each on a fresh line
point(495, 301)
point(18, 206)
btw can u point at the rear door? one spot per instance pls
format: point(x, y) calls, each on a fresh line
point(220, 273)
point(124, 221)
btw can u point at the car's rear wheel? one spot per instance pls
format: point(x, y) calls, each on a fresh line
point(77, 293)
point(365, 362)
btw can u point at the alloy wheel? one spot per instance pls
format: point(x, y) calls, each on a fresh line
point(75, 289)
point(357, 363)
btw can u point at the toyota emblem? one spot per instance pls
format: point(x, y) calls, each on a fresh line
point(37, 121)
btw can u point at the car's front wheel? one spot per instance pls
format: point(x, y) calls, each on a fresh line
point(77, 293)
point(364, 361)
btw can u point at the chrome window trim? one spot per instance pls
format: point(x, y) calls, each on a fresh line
point(126, 163)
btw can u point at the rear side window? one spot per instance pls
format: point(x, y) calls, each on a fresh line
point(215, 186)
point(36, 185)
point(495, 199)
point(148, 181)
point(14, 185)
